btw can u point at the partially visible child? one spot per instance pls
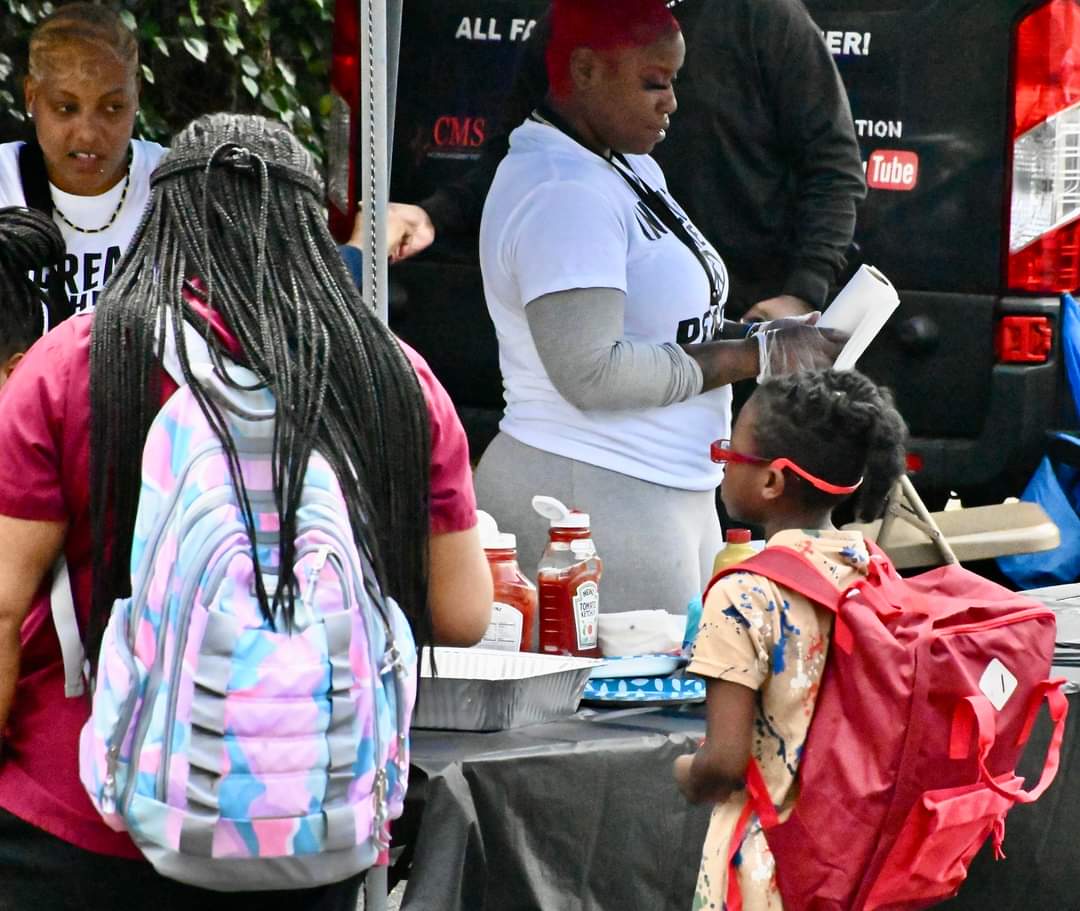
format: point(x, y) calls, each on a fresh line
point(29, 240)
point(802, 444)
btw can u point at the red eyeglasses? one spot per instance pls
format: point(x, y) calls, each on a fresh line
point(721, 451)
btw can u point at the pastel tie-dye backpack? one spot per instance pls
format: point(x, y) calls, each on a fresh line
point(240, 756)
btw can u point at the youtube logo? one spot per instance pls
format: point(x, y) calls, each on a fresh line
point(891, 169)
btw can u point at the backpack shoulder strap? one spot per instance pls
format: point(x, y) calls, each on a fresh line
point(35, 183)
point(790, 569)
point(35, 179)
point(62, 607)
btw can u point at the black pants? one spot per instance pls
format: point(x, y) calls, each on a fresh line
point(39, 872)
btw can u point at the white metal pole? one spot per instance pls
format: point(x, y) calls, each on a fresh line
point(373, 152)
point(377, 98)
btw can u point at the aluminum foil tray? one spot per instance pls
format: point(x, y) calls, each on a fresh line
point(487, 690)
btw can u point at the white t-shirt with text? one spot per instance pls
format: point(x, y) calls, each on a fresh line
point(560, 217)
point(90, 258)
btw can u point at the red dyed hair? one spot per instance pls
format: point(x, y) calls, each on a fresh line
point(601, 25)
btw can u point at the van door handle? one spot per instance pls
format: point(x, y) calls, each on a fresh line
point(918, 334)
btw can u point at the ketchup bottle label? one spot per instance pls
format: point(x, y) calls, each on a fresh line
point(586, 603)
point(504, 630)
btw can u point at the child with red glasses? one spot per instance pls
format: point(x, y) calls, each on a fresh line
point(802, 444)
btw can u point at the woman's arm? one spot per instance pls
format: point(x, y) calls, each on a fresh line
point(578, 335)
point(719, 765)
point(459, 587)
point(27, 550)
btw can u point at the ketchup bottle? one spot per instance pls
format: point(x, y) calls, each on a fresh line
point(569, 582)
point(513, 609)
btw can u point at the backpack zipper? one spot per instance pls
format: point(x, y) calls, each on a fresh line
point(154, 674)
point(153, 543)
point(379, 785)
point(112, 752)
point(138, 603)
point(183, 620)
point(1028, 613)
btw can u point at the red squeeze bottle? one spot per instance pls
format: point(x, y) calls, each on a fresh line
point(513, 610)
point(568, 578)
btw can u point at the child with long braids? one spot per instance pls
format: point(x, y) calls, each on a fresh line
point(234, 242)
point(802, 445)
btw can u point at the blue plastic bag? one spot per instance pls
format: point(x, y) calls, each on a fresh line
point(1070, 344)
point(1056, 486)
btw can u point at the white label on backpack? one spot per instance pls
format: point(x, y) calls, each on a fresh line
point(997, 684)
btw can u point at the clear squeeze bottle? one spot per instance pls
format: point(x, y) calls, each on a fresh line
point(513, 609)
point(569, 582)
point(737, 549)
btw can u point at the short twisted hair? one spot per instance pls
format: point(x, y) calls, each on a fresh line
point(838, 425)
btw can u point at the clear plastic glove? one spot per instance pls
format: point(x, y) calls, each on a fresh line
point(800, 347)
point(807, 319)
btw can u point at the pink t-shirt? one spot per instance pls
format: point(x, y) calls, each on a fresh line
point(44, 473)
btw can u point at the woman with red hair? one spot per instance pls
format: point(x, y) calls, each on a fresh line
point(608, 306)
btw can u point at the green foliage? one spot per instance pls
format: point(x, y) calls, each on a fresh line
point(268, 57)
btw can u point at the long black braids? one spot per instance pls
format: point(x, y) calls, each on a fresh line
point(235, 216)
point(838, 425)
point(29, 242)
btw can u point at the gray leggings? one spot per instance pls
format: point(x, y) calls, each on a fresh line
point(657, 543)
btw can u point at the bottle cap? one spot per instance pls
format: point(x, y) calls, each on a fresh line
point(558, 514)
point(738, 536)
point(490, 536)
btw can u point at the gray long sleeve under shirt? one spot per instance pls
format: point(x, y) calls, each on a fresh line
point(578, 335)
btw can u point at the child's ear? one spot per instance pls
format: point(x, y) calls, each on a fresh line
point(773, 488)
point(7, 366)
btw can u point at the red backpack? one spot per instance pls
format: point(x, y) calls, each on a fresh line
point(929, 694)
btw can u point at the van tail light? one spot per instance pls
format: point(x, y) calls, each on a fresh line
point(341, 135)
point(1044, 209)
point(1023, 339)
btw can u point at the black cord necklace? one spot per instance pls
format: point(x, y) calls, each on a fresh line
point(112, 218)
point(652, 198)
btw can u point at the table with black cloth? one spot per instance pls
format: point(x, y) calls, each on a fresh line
point(575, 814)
point(584, 814)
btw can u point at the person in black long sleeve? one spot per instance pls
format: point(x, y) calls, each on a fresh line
point(762, 153)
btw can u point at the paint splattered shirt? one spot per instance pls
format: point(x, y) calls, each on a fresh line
point(762, 636)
